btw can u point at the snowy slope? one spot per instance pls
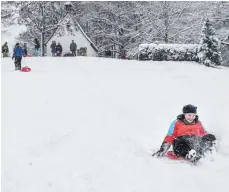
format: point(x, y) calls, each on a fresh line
point(90, 124)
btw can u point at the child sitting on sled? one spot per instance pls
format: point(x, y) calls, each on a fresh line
point(188, 137)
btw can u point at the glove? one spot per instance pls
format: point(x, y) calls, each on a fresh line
point(158, 154)
point(164, 148)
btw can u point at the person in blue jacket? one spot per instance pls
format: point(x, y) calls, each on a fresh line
point(17, 54)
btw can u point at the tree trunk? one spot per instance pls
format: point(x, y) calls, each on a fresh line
point(166, 20)
point(42, 43)
point(42, 32)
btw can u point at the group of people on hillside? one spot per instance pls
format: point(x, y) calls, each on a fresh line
point(20, 51)
point(56, 49)
point(5, 48)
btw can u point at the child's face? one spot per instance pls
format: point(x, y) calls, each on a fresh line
point(190, 117)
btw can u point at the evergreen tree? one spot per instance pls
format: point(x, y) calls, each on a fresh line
point(208, 52)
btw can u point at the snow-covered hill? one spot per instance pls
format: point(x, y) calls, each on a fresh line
point(90, 124)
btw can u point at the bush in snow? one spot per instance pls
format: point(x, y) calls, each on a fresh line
point(208, 51)
point(168, 52)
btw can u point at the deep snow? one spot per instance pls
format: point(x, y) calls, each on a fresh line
point(91, 124)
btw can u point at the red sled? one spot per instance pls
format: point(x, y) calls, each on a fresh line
point(172, 156)
point(25, 69)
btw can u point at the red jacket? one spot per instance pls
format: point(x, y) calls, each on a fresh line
point(179, 128)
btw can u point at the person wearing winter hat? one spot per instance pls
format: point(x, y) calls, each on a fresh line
point(187, 136)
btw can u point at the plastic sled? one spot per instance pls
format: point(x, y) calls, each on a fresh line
point(25, 69)
point(172, 156)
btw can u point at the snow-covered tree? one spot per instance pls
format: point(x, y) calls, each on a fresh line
point(7, 15)
point(221, 20)
point(168, 22)
point(121, 25)
point(42, 19)
point(111, 25)
point(208, 51)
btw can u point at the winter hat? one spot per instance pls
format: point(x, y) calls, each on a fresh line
point(189, 109)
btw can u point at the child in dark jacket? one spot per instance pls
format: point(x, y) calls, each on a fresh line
point(58, 50)
point(53, 48)
point(188, 137)
point(17, 54)
point(37, 47)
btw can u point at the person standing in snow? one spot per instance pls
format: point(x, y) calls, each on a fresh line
point(53, 48)
point(108, 53)
point(5, 50)
point(73, 48)
point(37, 47)
point(25, 49)
point(188, 137)
point(58, 50)
point(17, 54)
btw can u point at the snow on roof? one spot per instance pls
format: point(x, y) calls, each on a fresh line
point(68, 18)
point(92, 44)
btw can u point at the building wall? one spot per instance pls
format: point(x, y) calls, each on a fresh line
point(66, 40)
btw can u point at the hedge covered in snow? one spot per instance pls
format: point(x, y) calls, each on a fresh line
point(168, 52)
